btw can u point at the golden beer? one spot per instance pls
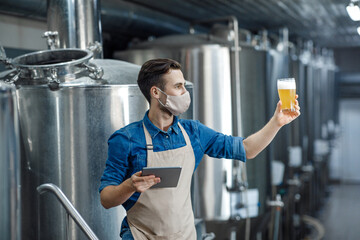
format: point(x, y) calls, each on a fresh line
point(287, 92)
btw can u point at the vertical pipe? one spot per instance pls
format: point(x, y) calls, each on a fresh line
point(236, 80)
point(77, 22)
point(284, 39)
point(277, 223)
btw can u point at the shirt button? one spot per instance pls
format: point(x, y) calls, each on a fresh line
point(167, 136)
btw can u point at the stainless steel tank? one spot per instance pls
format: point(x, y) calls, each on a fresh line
point(319, 99)
point(278, 67)
point(328, 95)
point(306, 101)
point(10, 210)
point(309, 108)
point(320, 102)
point(260, 67)
point(324, 102)
point(298, 144)
point(206, 63)
point(253, 76)
point(67, 112)
point(332, 96)
point(318, 78)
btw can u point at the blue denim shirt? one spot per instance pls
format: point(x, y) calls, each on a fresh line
point(127, 148)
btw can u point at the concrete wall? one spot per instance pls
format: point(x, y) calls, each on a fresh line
point(348, 160)
point(21, 33)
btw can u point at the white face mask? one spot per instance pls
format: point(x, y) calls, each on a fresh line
point(176, 104)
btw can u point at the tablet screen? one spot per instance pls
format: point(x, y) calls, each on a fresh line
point(169, 175)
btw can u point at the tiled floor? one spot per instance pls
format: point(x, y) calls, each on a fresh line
point(341, 213)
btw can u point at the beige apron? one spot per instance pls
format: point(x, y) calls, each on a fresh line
point(166, 213)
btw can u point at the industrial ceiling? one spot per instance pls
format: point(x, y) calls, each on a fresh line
point(326, 22)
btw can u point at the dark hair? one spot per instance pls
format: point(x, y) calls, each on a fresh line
point(151, 74)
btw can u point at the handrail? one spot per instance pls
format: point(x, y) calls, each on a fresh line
point(49, 187)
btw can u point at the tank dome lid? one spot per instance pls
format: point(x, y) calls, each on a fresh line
point(118, 72)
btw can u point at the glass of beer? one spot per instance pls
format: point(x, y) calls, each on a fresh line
point(287, 91)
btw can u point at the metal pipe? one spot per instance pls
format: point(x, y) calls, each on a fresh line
point(277, 223)
point(77, 22)
point(316, 224)
point(284, 40)
point(277, 204)
point(70, 209)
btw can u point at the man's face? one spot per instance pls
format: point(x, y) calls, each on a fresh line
point(174, 83)
point(174, 86)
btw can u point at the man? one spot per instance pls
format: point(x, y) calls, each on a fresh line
point(162, 139)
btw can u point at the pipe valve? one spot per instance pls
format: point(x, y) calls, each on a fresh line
point(52, 39)
point(276, 203)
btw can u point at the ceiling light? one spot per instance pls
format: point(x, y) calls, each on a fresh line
point(358, 29)
point(353, 10)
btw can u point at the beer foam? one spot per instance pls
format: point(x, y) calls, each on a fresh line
point(286, 84)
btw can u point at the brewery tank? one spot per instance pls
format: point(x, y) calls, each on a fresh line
point(261, 63)
point(206, 63)
point(320, 102)
point(67, 112)
point(318, 78)
point(318, 94)
point(298, 145)
point(324, 104)
point(278, 67)
point(10, 222)
point(307, 103)
point(253, 69)
point(327, 94)
point(331, 99)
point(260, 66)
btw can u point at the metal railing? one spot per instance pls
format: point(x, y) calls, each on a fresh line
point(70, 209)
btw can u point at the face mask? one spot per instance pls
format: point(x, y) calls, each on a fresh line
point(176, 104)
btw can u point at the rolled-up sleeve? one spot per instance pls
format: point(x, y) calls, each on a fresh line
point(238, 149)
point(219, 145)
point(117, 162)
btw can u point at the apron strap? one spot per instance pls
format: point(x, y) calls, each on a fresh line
point(149, 145)
point(186, 136)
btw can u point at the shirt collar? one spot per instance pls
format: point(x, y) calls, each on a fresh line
point(153, 130)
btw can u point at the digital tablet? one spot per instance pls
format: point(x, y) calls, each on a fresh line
point(169, 176)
